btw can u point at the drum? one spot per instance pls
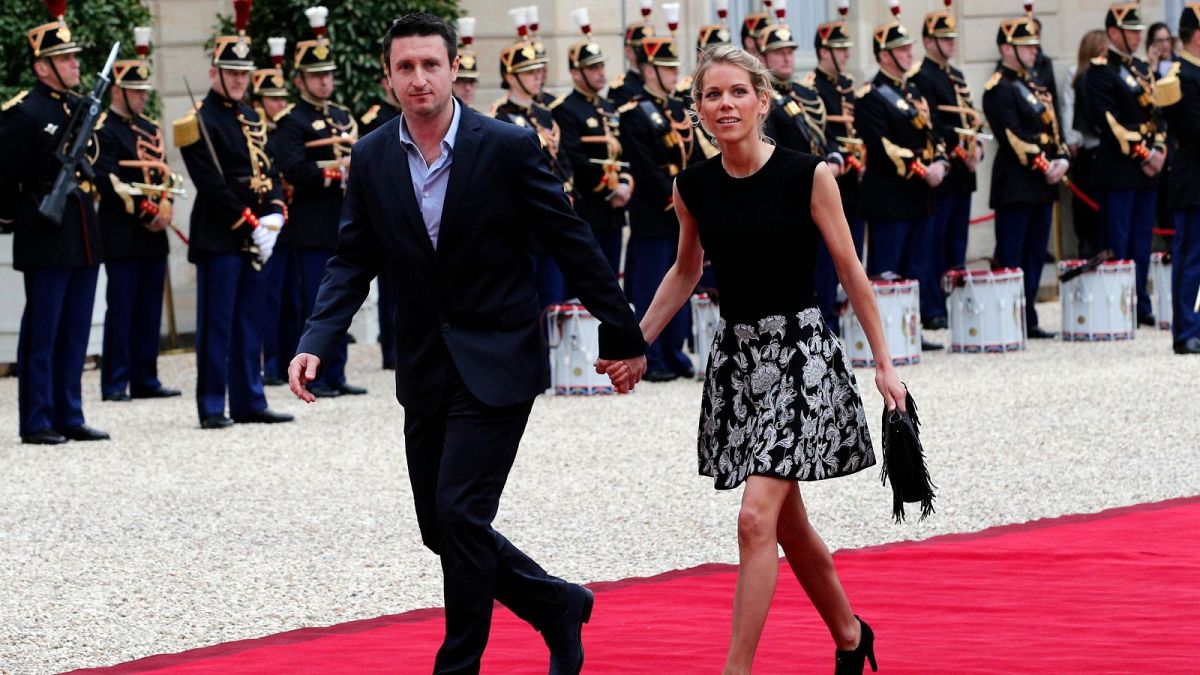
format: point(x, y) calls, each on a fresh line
point(1160, 279)
point(573, 335)
point(900, 309)
point(987, 310)
point(1099, 305)
point(706, 316)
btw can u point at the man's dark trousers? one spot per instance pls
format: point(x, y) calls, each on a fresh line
point(132, 323)
point(1129, 230)
point(229, 296)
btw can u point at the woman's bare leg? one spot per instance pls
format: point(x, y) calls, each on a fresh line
point(812, 564)
point(758, 567)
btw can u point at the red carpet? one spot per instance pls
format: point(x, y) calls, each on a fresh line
point(1114, 592)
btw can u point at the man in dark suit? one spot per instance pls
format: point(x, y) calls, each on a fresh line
point(450, 200)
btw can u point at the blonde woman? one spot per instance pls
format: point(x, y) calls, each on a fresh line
point(780, 402)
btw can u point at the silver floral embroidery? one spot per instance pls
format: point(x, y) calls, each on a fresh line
point(755, 420)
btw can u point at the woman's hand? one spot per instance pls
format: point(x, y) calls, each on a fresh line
point(889, 384)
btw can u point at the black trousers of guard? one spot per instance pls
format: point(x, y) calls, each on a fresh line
point(458, 461)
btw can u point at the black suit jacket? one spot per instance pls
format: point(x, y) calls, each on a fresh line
point(471, 303)
point(1183, 120)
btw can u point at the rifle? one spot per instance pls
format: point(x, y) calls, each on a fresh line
point(75, 142)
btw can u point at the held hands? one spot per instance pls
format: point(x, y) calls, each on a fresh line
point(302, 370)
point(889, 384)
point(624, 374)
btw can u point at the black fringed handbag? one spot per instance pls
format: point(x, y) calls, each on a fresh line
point(904, 461)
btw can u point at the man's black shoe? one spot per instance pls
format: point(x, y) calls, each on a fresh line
point(321, 391)
point(1188, 346)
point(272, 381)
point(351, 390)
point(1147, 320)
point(44, 437)
point(1039, 333)
point(565, 636)
point(119, 396)
point(927, 346)
point(936, 323)
point(686, 374)
point(389, 366)
point(216, 422)
point(84, 433)
point(659, 376)
point(264, 416)
point(161, 392)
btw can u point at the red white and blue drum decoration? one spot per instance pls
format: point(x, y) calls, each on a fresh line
point(1160, 279)
point(573, 335)
point(987, 310)
point(706, 316)
point(900, 310)
point(1099, 305)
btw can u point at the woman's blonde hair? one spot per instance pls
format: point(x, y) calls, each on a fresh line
point(760, 78)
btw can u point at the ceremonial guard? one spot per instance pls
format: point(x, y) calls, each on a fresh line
point(236, 219)
point(281, 309)
point(836, 89)
point(905, 162)
point(137, 189)
point(312, 143)
point(797, 117)
point(1119, 104)
point(523, 73)
point(752, 24)
point(1030, 160)
point(60, 261)
point(659, 142)
point(591, 143)
point(626, 86)
point(467, 80)
point(958, 124)
point(1181, 104)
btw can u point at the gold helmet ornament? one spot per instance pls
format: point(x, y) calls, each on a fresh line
point(50, 39)
point(636, 32)
point(135, 73)
point(715, 34)
point(232, 52)
point(316, 55)
point(586, 52)
point(940, 24)
point(892, 34)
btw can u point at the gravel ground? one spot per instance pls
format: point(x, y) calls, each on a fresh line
point(170, 538)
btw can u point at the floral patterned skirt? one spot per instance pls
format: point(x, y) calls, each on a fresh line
point(780, 400)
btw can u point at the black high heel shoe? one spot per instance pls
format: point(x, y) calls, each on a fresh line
point(850, 661)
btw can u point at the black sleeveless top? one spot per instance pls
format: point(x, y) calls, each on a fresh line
point(758, 232)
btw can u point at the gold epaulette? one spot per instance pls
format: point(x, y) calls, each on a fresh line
point(371, 114)
point(617, 82)
point(810, 80)
point(862, 91)
point(283, 113)
point(993, 80)
point(1101, 60)
point(684, 86)
point(186, 130)
point(628, 105)
point(1167, 89)
point(14, 101)
point(558, 101)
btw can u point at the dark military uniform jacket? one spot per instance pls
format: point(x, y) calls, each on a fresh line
point(840, 135)
point(1183, 119)
point(540, 119)
point(796, 119)
point(1022, 121)
point(377, 116)
point(32, 127)
point(316, 204)
point(626, 87)
point(1119, 102)
point(944, 85)
point(893, 120)
point(126, 209)
point(659, 142)
point(250, 181)
point(591, 146)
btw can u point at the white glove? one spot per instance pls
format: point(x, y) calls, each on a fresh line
point(1058, 168)
point(273, 222)
point(264, 238)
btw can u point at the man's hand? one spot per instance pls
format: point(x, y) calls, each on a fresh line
point(624, 374)
point(621, 196)
point(302, 370)
point(1154, 163)
point(935, 173)
point(1058, 169)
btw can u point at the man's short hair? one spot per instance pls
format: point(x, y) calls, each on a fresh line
point(420, 24)
point(1186, 33)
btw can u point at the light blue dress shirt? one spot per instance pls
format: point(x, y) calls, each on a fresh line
point(430, 181)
